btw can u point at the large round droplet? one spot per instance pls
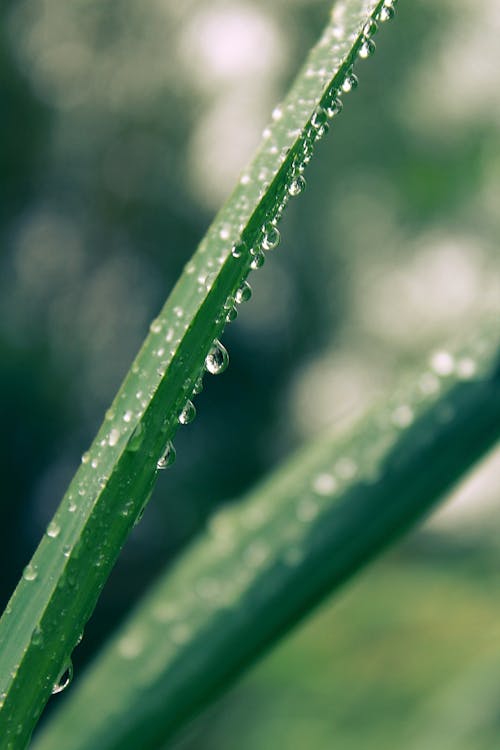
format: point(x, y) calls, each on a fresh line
point(188, 413)
point(64, 678)
point(217, 359)
point(271, 238)
point(244, 293)
point(168, 457)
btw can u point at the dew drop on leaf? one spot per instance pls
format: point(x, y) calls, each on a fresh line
point(370, 28)
point(30, 573)
point(136, 438)
point(168, 457)
point(350, 83)
point(367, 49)
point(244, 293)
point(217, 359)
point(53, 530)
point(239, 249)
point(258, 261)
point(271, 238)
point(297, 185)
point(64, 678)
point(188, 413)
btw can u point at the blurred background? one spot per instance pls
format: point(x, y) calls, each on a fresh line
point(123, 127)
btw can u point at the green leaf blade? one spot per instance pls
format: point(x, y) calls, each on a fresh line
point(117, 476)
point(263, 564)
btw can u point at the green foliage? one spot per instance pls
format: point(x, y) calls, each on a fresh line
point(265, 562)
point(46, 615)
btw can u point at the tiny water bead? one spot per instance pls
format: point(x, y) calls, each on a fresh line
point(156, 326)
point(217, 358)
point(85, 457)
point(113, 437)
point(443, 363)
point(297, 186)
point(271, 237)
point(168, 457)
point(239, 249)
point(319, 118)
point(370, 28)
point(258, 261)
point(53, 530)
point(244, 293)
point(334, 107)
point(350, 83)
point(188, 413)
point(231, 314)
point(402, 416)
point(64, 678)
point(367, 49)
point(387, 11)
point(30, 573)
point(136, 438)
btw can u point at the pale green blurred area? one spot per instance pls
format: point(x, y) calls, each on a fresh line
point(124, 126)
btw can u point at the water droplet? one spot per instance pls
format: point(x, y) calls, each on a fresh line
point(94, 463)
point(402, 416)
point(271, 238)
point(277, 113)
point(350, 83)
point(156, 326)
point(136, 438)
point(334, 107)
point(370, 28)
point(346, 468)
point(114, 436)
point(168, 457)
point(64, 678)
point(127, 416)
point(442, 363)
point(258, 261)
point(466, 368)
point(85, 457)
point(244, 293)
point(53, 529)
point(30, 573)
point(188, 413)
point(297, 185)
point(387, 11)
point(239, 249)
point(231, 315)
point(217, 358)
point(366, 49)
point(319, 118)
point(324, 484)
point(37, 636)
point(198, 386)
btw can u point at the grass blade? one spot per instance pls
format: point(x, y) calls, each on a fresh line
point(264, 563)
point(59, 588)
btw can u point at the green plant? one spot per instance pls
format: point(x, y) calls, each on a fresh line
point(117, 474)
